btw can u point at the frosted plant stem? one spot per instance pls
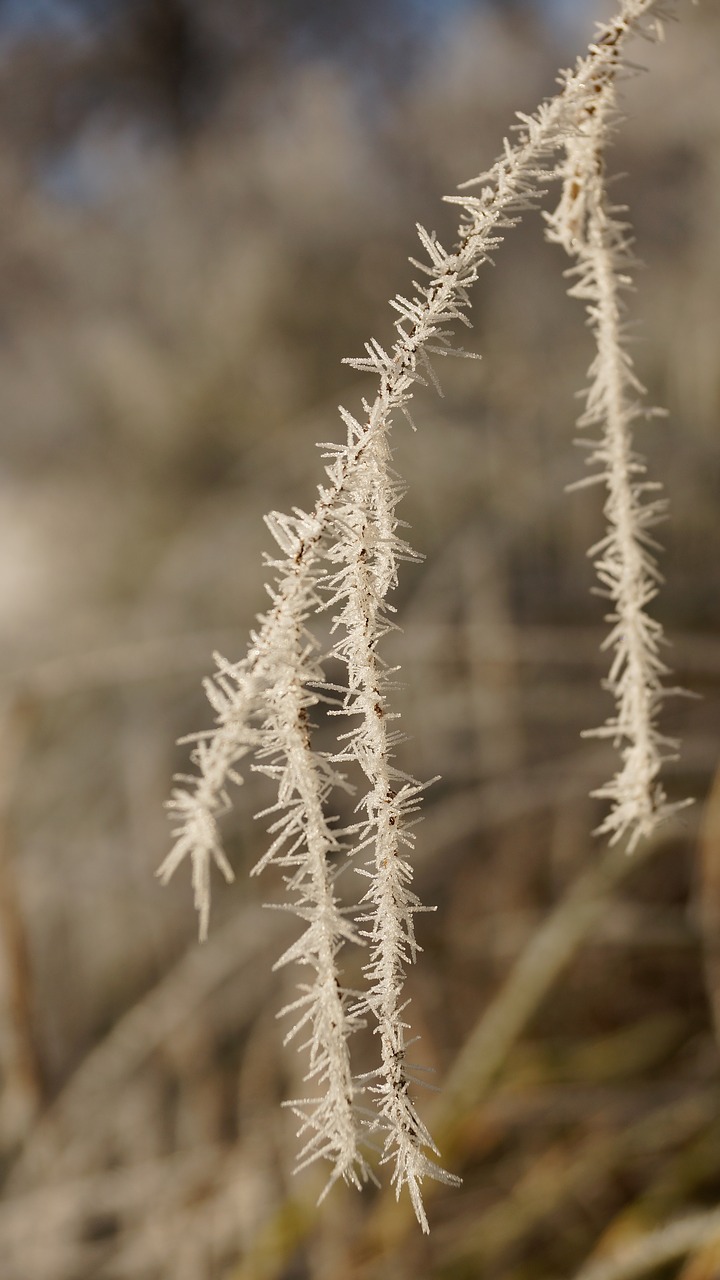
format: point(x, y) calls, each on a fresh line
point(304, 843)
point(330, 1120)
point(367, 549)
point(631, 577)
point(262, 703)
point(236, 692)
point(585, 225)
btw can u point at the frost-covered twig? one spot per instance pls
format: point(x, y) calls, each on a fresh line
point(273, 688)
point(365, 557)
point(303, 842)
point(587, 226)
point(507, 189)
point(343, 554)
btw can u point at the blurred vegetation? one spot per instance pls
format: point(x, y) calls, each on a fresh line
point(205, 207)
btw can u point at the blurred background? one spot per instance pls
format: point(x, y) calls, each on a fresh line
point(204, 207)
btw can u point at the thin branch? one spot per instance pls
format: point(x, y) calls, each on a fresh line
point(586, 226)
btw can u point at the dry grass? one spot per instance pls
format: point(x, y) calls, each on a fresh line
point(164, 347)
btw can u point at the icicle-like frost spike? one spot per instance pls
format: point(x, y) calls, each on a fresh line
point(588, 228)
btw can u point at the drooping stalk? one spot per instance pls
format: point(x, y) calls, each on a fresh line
point(591, 232)
point(508, 188)
point(344, 554)
point(365, 557)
